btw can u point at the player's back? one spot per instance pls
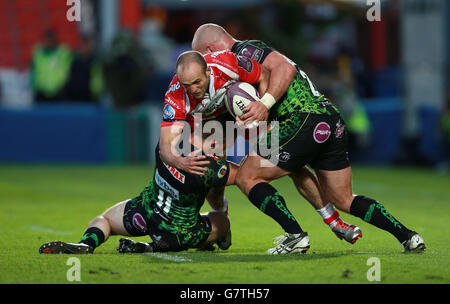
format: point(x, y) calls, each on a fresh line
point(177, 196)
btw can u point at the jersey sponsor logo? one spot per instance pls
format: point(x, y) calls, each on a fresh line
point(284, 156)
point(222, 171)
point(252, 52)
point(163, 184)
point(173, 103)
point(175, 173)
point(168, 112)
point(245, 63)
point(173, 87)
point(139, 222)
point(321, 132)
point(339, 130)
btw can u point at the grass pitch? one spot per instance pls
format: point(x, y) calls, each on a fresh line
point(44, 203)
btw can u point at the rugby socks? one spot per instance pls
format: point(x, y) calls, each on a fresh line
point(93, 237)
point(267, 199)
point(372, 212)
point(329, 215)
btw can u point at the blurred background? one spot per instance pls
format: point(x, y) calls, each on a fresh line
point(84, 81)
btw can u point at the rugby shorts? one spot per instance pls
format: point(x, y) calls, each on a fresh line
point(137, 223)
point(320, 142)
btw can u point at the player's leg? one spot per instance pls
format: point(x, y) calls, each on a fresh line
point(99, 229)
point(217, 200)
point(337, 186)
point(220, 230)
point(217, 143)
point(308, 186)
point(304, 148)
point(253, 180)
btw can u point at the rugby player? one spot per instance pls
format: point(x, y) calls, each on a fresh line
point(167, 210)
point(199, 87)
point(213, 38)
point(312, 133)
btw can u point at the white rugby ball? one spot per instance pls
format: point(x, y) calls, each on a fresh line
point(238, 96)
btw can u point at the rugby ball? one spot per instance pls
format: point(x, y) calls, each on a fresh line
point(238, 96)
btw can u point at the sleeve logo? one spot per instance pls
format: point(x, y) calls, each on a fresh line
point(252, 52)
point(168, 112)
point(245, 63)
point(173, 88)
point(222, 171)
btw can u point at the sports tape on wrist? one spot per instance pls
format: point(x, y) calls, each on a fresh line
point(268, 100)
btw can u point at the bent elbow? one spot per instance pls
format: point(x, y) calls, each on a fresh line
point(291, 70)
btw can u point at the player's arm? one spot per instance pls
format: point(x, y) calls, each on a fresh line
point(169, 138)
point(282, 71)
point(258, 111)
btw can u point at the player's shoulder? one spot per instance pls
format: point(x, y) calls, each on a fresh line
point(174, 101)
point(254, 49)
point(174, 86)
point(175, 91)
point(224, 58)
point(252, 42)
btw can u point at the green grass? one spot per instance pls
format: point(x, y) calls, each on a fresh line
point(43, 203)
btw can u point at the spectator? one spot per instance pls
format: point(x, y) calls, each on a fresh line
point(126, 70)
point(353, 111)
point(50, 68)
point(86, 78)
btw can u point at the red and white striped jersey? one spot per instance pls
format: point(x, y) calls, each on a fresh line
point(226, 68)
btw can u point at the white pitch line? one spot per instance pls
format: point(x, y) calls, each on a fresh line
point(48, 230)
point(164, 256)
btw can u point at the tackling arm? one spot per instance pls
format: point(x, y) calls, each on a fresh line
point(281, 74)
point(170, 135)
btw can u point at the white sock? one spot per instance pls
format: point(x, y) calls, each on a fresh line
point(329, 215)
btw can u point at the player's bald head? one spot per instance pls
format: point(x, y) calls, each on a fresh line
point(193, 73)
point(186, 59)
point(211, 37)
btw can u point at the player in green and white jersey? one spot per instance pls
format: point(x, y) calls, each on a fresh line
point(311, 132)
point(167, 210)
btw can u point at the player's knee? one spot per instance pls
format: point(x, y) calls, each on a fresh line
point(297, 177)
point(344, 203)
point(102, 223)
point(99, 220)
point(245, 181)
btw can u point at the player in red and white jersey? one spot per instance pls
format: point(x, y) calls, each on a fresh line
point(185, 98)
point(199, 88)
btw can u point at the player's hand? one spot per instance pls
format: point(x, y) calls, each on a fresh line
point(255, 111)
point(193, 164)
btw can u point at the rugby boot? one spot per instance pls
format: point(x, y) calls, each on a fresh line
point(56, 247)
point(291, 243)
point(414, 244)
point(350, 233)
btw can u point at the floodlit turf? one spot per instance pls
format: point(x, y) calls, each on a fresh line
point(45, 203)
